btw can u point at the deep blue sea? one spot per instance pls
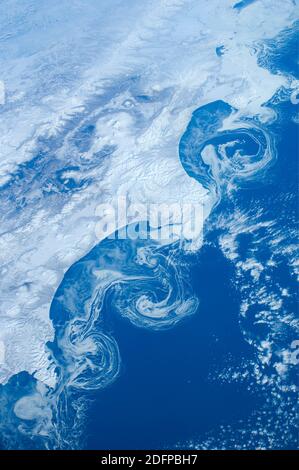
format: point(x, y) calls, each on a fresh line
point(155, 346)
point(168, 390)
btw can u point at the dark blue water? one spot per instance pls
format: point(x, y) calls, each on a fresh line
point(172, 385)
point(243, 4)
point(164, 393)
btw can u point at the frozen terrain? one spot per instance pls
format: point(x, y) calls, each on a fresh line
point(100, 102)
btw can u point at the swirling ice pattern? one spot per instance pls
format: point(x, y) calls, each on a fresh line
point(143, 282)
point(139, 279)
point(221, 149)
point(216, 157)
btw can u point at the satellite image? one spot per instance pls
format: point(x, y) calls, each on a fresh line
point(148, 234)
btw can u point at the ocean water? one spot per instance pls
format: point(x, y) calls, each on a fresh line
point(134, 343)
